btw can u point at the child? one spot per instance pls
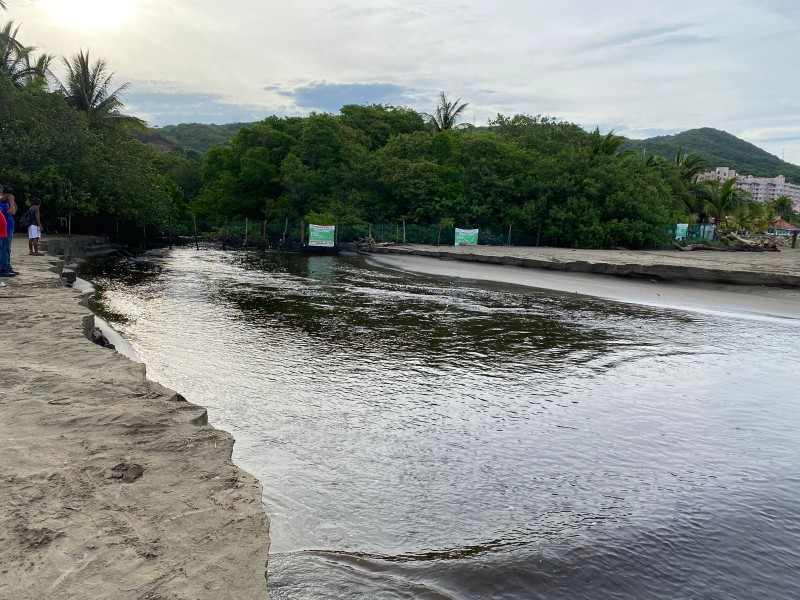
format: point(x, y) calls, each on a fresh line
point(35, 229)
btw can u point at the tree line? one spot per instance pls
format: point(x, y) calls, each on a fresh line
point(69, 143)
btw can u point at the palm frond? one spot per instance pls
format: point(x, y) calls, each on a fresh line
point(446, 115)
point(88, 87)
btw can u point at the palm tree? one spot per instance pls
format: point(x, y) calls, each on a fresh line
point(447, 113)
point(722, 198)
point(764, 217)
point(784, 206)
point(607, 144)
point(40, 75)
point(690, 165)
point(648, 161)
point(738, 220)
point(682, 176)
point(16, 60)
point(88, 89)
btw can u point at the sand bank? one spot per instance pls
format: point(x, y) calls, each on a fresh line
point(724, 291)
point(71, 526)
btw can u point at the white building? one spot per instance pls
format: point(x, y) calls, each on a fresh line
point(763, 189)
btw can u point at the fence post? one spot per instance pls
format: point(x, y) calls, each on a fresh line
point(285, 229)
point(264, 236)
point(302, 232)
point(439, 236)
point(404, 231)
point(369, 235)
point(196, 243)
point(508, 242)
point(246, 224)
point(225, 234)
point(538, 231)
point(169, 218)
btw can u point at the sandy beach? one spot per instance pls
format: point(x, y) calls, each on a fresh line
point(113, 486)
point(710, 282)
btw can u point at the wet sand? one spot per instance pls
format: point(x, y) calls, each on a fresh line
point(562, 273)
point(191, 526)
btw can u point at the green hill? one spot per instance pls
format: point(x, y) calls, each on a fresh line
point(191, 136)
point(721, 149)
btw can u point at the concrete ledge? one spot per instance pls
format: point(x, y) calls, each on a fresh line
point(780, 269)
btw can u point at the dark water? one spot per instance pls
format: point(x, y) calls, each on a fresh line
point(421, 438)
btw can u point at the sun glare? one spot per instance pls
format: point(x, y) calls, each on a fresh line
point(89, 14)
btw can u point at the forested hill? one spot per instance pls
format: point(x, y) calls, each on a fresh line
point(721, 149)
point(191, 136)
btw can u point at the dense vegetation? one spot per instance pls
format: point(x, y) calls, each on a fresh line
point(719, 149)
point(376, 163)
point(553, 182)
point(68, 143)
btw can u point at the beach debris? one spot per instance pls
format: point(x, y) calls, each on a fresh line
point(99, 338)
point(369, 242)
point(734, 243)
point(127, 473)
point(69, 276)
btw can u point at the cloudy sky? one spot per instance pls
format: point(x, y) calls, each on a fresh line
point(640, 68)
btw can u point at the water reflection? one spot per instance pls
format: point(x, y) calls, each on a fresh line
point(424, 438)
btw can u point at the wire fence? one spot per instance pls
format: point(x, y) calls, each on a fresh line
point(251, 233)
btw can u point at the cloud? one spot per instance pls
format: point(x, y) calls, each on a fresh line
point(167, 108)
point(656, 35)
point(640, 66)
point(330, 97)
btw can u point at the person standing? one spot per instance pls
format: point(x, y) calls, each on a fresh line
point(35, 228)
point(3, 245)
point(8, 207)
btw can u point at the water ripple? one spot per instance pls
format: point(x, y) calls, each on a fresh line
point(424, 438)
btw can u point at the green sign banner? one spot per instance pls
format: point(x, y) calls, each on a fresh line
point(466, 237)
point(322, 235)
point(681, 231)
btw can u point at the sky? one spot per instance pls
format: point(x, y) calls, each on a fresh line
point(638, 68)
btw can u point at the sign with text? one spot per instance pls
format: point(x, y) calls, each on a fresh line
point(323, 236)
point(466, 237)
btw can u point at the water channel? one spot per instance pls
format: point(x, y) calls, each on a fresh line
point(421, 437)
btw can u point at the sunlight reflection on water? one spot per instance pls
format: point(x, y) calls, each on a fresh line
point(423, 438)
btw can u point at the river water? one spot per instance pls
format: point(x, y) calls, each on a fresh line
point(419, 437)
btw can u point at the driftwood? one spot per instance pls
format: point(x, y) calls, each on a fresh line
point(742, 244)
point(733, 243)
point(688, 247)
point(369, 242)
point(733, 237)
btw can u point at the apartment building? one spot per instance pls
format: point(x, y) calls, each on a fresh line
point(763, 189)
